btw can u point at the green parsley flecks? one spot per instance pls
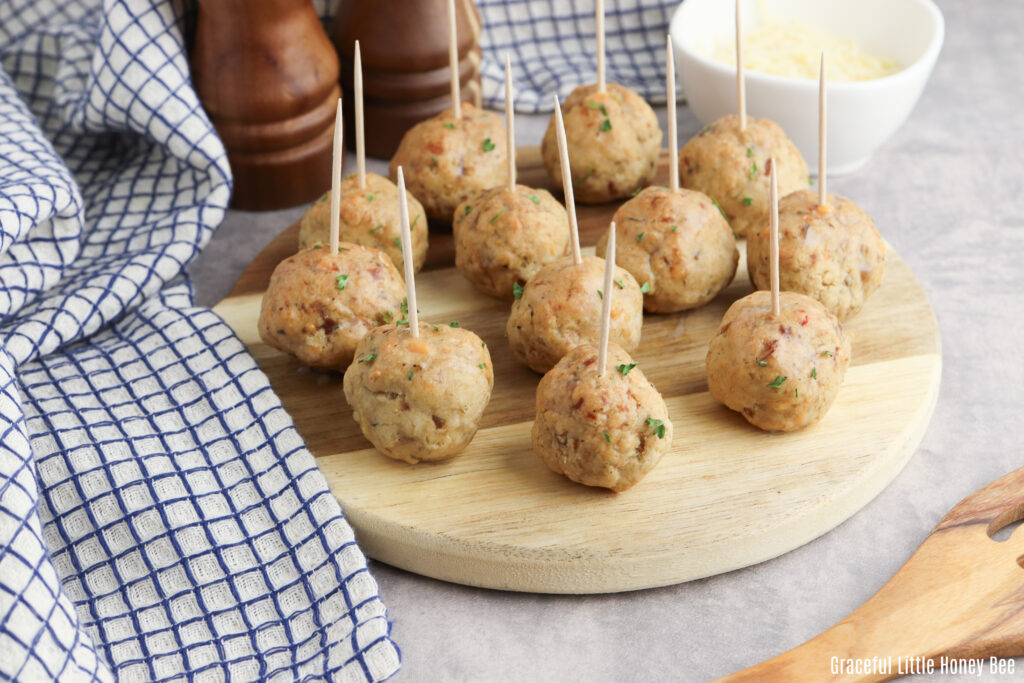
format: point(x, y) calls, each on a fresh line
point(598, 106)
point(640, 237)
point(468, 210)
point(753, 171)
point(517, 291)
point(590, 171)
point(534, 198)
point(481, 365)
point(368, 358)
point(606, 125)
point(762, 363)
point(341, 281)
point(449, 126)
point(414, 221)
point(497, 215)
point(720, 209)
point(747, 201)
point(645, 288)
point(777, 382)
point(607, 438)
point(410, 375)
point(814, 373)
point(625, 368)
point(398, 242)
point(673, 228)
point(454, 323)
point(826, 354)
point(600, 295)
point(657, 426)
point(636, 191)
point(750, 152)
point(377, 229)
point(488, 145)
point(619, 282)
point(386, 316)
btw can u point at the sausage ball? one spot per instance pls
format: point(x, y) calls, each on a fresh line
point(369, 216)
point(503, 238)
point(447, 160)
point(419, 398)
point(319, 305)
point(678, 244)
point(781, 373)
point(731, 166)
point(834, 253)
point(560, 308)
point(613, 141)
point(608, 430)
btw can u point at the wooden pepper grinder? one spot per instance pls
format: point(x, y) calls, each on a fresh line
point(267, 75)
point(405, 63)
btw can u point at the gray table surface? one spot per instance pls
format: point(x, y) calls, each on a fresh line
point(944, 191)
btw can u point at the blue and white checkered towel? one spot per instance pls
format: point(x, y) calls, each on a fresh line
point(159, 514)
point(553, 48)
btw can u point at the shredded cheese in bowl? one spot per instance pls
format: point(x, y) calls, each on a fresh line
point(793, 49)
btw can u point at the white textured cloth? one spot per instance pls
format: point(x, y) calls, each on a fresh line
point(159, 514)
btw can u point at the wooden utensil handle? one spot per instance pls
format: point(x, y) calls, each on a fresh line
point(960, 595)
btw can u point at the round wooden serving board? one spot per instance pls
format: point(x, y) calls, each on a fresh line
point(727, 495)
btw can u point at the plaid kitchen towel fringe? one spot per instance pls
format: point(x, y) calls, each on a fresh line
point(160, 516)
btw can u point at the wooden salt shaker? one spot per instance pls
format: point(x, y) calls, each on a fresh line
point(404, 47)
point(267, 75)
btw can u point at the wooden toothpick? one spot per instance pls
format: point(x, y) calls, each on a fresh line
point(510, 125)
point(741, 86)
point(339, 154)
point(410, 275)
point(670, 92)
point(453, 61)
point(357, 87)
point(606, 301)
point(822, 136)
point(599, 21)
point(773, 238)
point(570, 202)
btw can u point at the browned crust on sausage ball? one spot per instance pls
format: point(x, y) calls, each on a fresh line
point(419, 399)
point(608, 430)
point(731, 166)
point(369, 216)
point(503, 238)
point(678, 243)
point(447, 160)
point(309, 312)
point(613, 141)
point(834, 254)
point(560, 308)
point(782, 373)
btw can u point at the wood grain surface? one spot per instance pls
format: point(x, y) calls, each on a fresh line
point(726, 496)
point(959, 596)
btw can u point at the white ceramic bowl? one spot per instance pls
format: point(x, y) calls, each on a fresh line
point(861, 115)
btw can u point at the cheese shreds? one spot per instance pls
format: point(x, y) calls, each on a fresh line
point(793, 49)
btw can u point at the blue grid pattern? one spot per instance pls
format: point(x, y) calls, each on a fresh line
point(553, 48)
point(159, 514)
